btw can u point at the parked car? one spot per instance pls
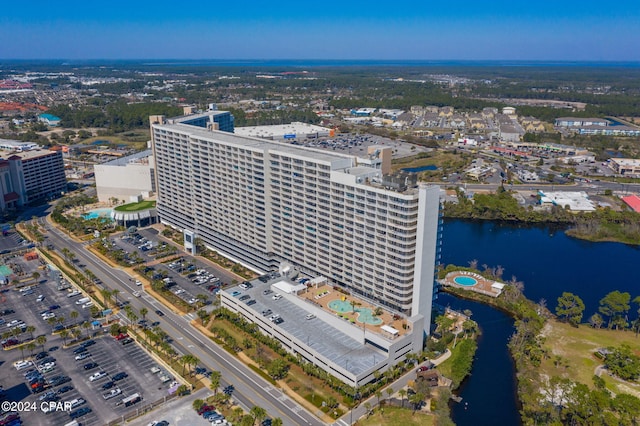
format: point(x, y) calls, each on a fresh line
point(120, 376)
point(64, 389)
point(79, 412)
point(82, 355)
point(108, 385)
point(90, 366)
point(97, 376)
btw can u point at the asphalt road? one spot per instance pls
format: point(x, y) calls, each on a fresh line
point(250, 389)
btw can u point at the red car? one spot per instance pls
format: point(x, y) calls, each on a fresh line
point(205, 408)
point(121, 336)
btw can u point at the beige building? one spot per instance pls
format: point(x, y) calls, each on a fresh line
point(126, 177)
point(625, 166)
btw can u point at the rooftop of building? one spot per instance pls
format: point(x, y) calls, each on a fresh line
point(257, 143)
point(577, 201)
point(50, 117)
point(633, 201)
point(338, 344)
point(26, 155)
point(280, 130)
point(141, 157)
point(627, 161)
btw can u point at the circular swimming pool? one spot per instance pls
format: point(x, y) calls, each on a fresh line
point(465, 280)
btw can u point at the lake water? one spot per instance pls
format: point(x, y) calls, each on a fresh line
point(548, 262)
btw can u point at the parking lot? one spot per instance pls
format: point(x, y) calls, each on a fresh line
point(186, 277)
point(54, 374)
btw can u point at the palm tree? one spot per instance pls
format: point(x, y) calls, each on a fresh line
point(390, 392)
point(402, 392)
point(203, 315)
point(144, 311)
point(86, 325)
point(258, 413)
point(106, 296)
point(30, 329)
point(378, 395)
point(115, 292)
point(76, 333)
point(41, 340)
point(31, 346)
point(194, 361)
point(74, 315)
point(416, 399)
point(215, 381)
point(184, 360)
point(131, 316)
point(276, 422)
point(51, 322)
point(64, 334)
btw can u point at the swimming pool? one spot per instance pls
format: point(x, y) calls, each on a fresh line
point(365, 315)
point(94, 214)
point(465, 280)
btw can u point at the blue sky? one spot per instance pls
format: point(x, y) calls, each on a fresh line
point(403, 29)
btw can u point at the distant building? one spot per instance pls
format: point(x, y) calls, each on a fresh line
point(625, 166)
point(596, 126)
point(510, 111)
point(49, 120)
point(574, 201)
point(126, 177)
point(30, 176)
point(580, 122)
point(295, 130)
point(633, 201)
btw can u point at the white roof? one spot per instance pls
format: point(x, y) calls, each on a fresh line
point(577, 201)
point(390, 330)
point(289, 287)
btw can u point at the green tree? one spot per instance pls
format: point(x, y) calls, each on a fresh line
point(197, 404)
point(615, 305)
point(41, 340)
point(623, 362)
point(278, 369)
point(215, 381)
point(258, 413)
point(403, 393)
point(144, 311)
point(203, 315)
point(570, 308)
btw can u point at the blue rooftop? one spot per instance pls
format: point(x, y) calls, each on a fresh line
point(49, 117)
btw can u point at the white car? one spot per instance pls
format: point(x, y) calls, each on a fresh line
point(277, 296)
point(76, 402)
point(47, 368)
point(97, 376)
point(74, 293)
point(22, 364)
point(48, 315)
point(138, 282)
point(112, 393)
point(40, 298)
point(83, 355)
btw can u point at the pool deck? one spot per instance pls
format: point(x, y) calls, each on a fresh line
point(324, 294)
point(484, 286)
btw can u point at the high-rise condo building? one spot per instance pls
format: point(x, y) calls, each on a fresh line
point(328, 214)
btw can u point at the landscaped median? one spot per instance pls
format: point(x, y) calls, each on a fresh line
point(308, 391)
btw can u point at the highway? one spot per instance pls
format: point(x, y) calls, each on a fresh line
point(250, 389)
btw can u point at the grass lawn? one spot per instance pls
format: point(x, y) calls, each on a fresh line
point(576, 347)
point(134, 207)
point(395, 416)
point(445, 161)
